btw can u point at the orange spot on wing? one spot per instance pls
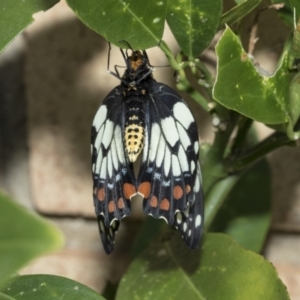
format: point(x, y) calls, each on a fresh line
point(177, 192)
point(153, 201)
point(111, 206)
point(121, 203)
point(144, 189)
point(101, 194)
point(129, 190)
point(164, 204)
point(187, 188)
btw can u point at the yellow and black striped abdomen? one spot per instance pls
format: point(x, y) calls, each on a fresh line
point(134, 131)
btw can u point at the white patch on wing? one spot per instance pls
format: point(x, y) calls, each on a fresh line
point(119, 144)
point(199, 172)
point(166, 183)
point(155, 134)
point(98, 162)
point(179, 217)
point(193, 166)
point(167, 162)
point(169, 129)
point(175, 166)
point(98, 139)
point(109, 164)
point(182, 113)
point(100, 117)
point(101, 226)
point(183, 160)
point(146, 143)
point(113, 223)
point(108, 133)
point(184, 138)
point(103, 168)
point(198, 221)
point(157, 176)
point(187, 211)
point(162, 217)
point(160, 151)
point(114, 154)
point(197, 184)
point(196, 147)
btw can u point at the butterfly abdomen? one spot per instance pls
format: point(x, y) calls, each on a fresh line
point(134, 128)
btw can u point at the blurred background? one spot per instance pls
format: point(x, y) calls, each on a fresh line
point(53, 78)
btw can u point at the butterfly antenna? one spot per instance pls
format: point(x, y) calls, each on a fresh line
point(117, 75)
point(108, 56)
point(128, 47)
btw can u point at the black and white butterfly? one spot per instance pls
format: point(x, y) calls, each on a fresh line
point(142, 117)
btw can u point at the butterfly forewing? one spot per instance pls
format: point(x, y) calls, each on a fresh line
point(112, 173)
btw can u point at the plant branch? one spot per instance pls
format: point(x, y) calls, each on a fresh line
point(184, 85)
point(271, 143)
point(243, 127)
point(213, 162)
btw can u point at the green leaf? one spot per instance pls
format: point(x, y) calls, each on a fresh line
point(241, 88)
point(16, 15)
point(295, 4)
point(238, 12)
point(296, 41)
point(290, 12)
point(285, 13)
point(48, 287)
point(140, 23)
point(246, 213)
point(5, 297)
point(222, 270)
point(194, 23)
point(150, 229)
point(296, 28)
point(23, 236)
point(295, 98)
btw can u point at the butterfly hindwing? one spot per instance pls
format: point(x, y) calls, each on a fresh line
point(170, 178)
point(112, 173)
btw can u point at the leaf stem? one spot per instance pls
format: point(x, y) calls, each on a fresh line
point(243, 127)
point(216, 198)
point(183, 84)
point(274, 141)
point(167, 51)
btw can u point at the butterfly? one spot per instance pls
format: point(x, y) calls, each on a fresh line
point(147, 120)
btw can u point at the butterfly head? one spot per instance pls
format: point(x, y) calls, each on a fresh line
point(137, 61)
point(138, 68)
